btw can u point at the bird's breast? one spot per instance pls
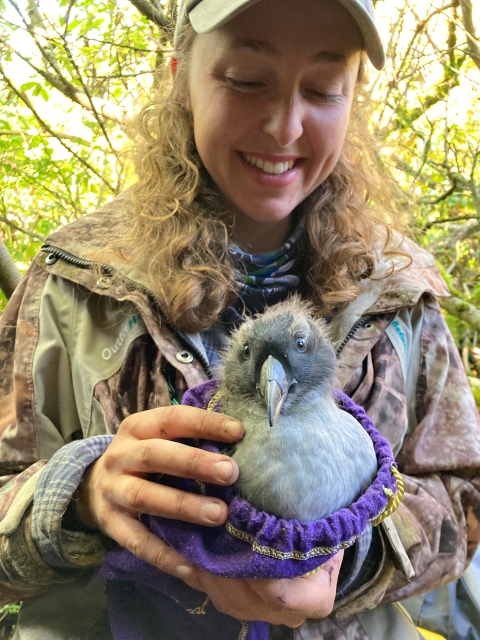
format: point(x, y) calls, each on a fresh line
point(308, 465)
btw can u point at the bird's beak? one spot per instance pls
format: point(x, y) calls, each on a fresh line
point(273, 387)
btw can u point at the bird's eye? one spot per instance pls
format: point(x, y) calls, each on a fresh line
point(301, 344)
point(246, 351)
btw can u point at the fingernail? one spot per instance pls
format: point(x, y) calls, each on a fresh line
point(183, 571)
point(212, 511)
point(223, 470)
point(233, 429)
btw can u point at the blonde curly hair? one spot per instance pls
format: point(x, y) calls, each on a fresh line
point(180, 233)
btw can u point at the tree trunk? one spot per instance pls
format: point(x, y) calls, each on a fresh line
point(9, 274)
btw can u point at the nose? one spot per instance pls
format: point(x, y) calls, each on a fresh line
point(284, 122)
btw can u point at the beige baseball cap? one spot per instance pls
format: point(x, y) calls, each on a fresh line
point(207, 15)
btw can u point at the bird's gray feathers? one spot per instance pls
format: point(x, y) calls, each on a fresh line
point(316, 458)
point(314, 461)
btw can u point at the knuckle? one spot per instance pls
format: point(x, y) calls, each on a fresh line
point(223, 607)
point(166, 415)
point(106, 521)
point(146, 453)
point(161, 558)
point(328, 607)
point(111, 457)
point(204, 425)
point(127, 424)
point(192, 460)
point(172, 421)
point(285, 605)
point(135, 543)
point(294, 624)
point(180, 506)
point(135, 494)
point(277, 599)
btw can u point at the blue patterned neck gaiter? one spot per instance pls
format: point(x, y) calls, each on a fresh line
point(267, 279)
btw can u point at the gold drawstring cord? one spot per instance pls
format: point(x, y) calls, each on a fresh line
point(394, 499)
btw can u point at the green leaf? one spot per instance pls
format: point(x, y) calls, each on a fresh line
point(44, 93)
point(28, 85)
point(9, 608)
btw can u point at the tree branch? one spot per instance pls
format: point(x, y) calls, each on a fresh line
point(57, 134)
point(57, 80)
point(32, 234)
point(431, 203)
point(27, 103)
point(36, 24)
point(119, 45)
point(463, 310)
point(69, 90)
point(89, 97)
point(152, 13)
point(467, 19)
point(66, 201)
point(462, 233)
point(445, 220)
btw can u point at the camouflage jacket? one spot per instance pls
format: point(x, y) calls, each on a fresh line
point(80, 352)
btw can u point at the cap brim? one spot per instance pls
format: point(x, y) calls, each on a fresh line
point(208, 15)
point(373, 44)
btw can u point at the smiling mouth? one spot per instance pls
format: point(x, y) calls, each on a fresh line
point(275, 168)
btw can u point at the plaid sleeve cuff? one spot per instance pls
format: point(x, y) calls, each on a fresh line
point(54, 490)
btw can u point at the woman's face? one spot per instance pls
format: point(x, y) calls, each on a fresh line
point(270, 93)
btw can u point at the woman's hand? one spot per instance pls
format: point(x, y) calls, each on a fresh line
point(115, 489)
point(287, 602)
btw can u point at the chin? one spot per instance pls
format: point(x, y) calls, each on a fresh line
point(265, 213)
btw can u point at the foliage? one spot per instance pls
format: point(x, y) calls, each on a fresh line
point(9, 608)
point(428, 118)
point(72, 74)
point(70, 78)
point(8, 617)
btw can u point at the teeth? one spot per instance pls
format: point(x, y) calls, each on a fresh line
point(269, 167)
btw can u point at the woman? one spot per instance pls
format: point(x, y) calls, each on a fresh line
point(256, 182)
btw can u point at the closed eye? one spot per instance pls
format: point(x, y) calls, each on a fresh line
point(325, 97)
point(242, 84)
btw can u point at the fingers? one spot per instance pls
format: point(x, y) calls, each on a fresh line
point(236, 598)
point(117, 482)
point(138, 495)
point(136, 538)
point(172, 458)
point(143, 445)
point(296, 597)
point(115, 488)
point(130, 459)
point(312, 596)
point(183, 422)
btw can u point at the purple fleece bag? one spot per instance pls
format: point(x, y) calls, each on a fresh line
point(252, 544)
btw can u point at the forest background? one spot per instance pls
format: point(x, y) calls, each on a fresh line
point(73, 73)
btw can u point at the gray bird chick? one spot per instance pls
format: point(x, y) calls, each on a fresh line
point(302, 457)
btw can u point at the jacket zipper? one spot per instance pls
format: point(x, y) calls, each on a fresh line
point(108, 270)
point(69, 257)
point(359, 323)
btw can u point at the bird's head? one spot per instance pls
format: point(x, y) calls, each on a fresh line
point(279, 357)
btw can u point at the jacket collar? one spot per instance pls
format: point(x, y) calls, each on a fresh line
point(93, 239)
